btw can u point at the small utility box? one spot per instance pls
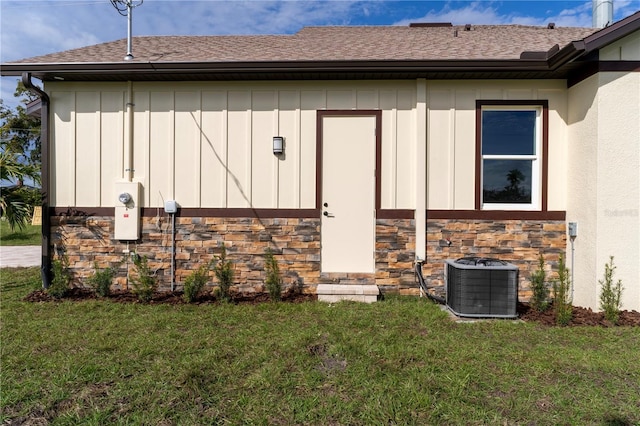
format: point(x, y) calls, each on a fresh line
point(127, 211)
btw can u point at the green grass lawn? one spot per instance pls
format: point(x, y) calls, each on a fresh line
point(30, 235)
point(400, 361)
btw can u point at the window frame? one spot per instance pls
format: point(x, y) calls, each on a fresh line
point(539, 176)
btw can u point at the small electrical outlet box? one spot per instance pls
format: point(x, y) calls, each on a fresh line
point(171, 206)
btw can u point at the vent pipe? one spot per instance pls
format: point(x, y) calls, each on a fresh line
point(129, 55)
point(602, 13)
point(125, 8)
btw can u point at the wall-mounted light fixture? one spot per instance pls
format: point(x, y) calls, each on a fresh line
point(278, 145)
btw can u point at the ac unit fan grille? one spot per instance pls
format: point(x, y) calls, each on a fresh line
point(482, 291)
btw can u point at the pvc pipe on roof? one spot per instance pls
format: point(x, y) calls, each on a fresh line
point(602, 13)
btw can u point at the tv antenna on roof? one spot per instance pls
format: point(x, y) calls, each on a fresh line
point(125, 8)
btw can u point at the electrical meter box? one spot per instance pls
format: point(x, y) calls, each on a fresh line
point(127, 211)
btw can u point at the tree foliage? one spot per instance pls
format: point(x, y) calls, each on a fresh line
point(21, 132)
point(19, 160)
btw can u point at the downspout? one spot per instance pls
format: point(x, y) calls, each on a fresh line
point(45, 264)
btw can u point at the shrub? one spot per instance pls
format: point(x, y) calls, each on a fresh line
point(540, 299)
point(195, 282)
point(610, 294)
point(273, 281)
point(61, 277)
point(143, 282)
point(223, 270)
point(101, 280)
point(562, 302)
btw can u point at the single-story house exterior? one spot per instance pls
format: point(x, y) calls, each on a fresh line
point(351, 152)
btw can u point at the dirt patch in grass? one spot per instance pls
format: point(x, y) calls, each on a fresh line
point(581, 316)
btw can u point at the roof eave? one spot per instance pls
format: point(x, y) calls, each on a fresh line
point(612, 33)
point(141, 70)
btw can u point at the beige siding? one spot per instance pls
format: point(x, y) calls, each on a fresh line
point(264, 173)
point(214, 149)
point(451, 126)
point(63, 156)
point(210, 144)
point(405, 192)
point(141, 149)
point(111, 144)
point(87, 154)
point(239, 149)
point(161, 147)
point(311, 100)
point(288, 167)
point(187, 148)
point(625, 49)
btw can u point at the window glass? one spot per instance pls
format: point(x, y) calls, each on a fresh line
point(507, 181)
point(510, 138)
point(508, 132)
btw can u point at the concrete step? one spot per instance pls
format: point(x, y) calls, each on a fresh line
point(355, 292)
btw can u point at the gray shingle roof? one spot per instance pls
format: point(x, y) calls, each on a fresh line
point(384, 43)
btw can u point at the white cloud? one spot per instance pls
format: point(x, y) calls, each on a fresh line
point(489, 12)
point(239, 17)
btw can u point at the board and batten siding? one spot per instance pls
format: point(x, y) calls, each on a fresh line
point(210, 144)
point(625, 49)
point(451, 135)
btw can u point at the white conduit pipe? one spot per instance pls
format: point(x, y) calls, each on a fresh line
point(129, 139)
point(173, 251)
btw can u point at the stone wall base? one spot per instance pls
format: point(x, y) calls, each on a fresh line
point(519, 242)
point(295, 242)
point(88, 241)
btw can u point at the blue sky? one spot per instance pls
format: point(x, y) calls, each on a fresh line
point(35, 27)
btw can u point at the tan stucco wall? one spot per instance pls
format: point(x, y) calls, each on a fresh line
point(604, 183)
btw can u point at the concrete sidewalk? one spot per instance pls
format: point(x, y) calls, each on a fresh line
point(20, 256)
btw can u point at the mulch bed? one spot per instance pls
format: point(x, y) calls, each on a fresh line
point(581, 316)
point(168, 297)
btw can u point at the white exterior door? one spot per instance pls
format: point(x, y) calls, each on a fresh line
point(348, 194)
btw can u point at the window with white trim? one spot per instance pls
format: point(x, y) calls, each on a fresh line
point(511, 151)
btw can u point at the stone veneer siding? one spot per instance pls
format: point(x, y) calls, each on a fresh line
point(395, 255)
point(294, 241)
point(296, 244)
point(519, 242)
